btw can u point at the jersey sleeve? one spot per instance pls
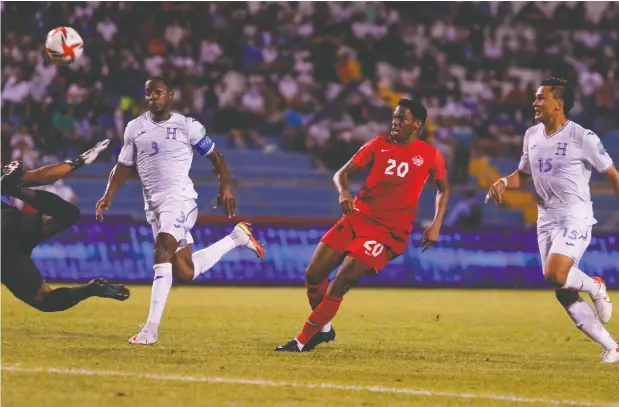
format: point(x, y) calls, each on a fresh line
point(363, 157)
point(438, 169)
point(201, 143)
point(525, 164)
point(128, 151)
point(594, 152)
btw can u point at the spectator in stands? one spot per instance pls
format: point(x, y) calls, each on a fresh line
point(310, 55)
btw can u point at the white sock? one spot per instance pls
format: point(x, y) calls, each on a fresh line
point(159, 294)
point(326, 328)
point(578, 280)
point(586, 320)
point(206, 258)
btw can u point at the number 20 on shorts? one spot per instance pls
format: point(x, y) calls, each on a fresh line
point(373, 248)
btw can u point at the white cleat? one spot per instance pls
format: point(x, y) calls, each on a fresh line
point(244, 229)
point(603, 304)
point(145, 337)
point(611, 355)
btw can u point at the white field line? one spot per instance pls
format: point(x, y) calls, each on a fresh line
point(257, 382)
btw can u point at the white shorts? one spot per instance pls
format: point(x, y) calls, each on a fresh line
point(175, 217)
point(570, 239)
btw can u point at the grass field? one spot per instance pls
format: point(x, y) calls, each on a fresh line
point(216, 349)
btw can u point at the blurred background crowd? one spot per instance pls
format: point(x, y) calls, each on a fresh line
point(315, 77)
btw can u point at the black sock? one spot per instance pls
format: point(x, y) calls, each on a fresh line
point(50, 204)
point(64, 298)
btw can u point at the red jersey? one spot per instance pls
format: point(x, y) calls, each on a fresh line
point(398, 173)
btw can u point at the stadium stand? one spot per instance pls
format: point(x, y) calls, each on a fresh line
point(288, 101)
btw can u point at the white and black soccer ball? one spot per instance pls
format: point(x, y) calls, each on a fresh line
point(64, 45)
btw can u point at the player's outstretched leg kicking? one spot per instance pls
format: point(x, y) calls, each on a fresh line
point(187, 266)
point(558, 155)
point(375, 227)
point(22, 232)
point(160, 145)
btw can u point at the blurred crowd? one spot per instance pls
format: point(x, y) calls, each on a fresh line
point(320, 77)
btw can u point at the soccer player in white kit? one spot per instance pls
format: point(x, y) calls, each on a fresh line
point(559, 155)
point(160, 145)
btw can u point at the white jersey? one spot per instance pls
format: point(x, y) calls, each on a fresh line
point(162, 153)
point(561, 165)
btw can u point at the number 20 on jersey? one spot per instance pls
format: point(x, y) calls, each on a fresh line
point(401, 169)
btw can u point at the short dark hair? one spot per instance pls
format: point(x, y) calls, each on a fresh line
point(561, 89)
point(160, 79)
point(416, 108)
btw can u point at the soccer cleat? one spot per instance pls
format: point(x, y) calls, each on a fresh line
point(611, 355)
point(320, 337)
point(292, 346)
point(101, 288)
point(252, 244)
point(145, 337)
point(603, 304)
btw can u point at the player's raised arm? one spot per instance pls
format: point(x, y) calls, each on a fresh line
point(120, 173)
point(51, 173)
point(203, 145)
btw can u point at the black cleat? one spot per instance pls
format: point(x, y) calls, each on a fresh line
point(291, 346)
point(101, 288)
point(320, 337)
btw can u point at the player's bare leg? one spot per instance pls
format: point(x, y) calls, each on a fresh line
point(165, 247)
point(561, 272)
point(53, 300)
point(348, 275)
point(324, 260)
point(187, 266)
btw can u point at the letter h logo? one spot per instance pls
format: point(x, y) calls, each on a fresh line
point(171, 133)
point(561, 149)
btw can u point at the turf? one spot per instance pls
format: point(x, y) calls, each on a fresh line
point(510, 343)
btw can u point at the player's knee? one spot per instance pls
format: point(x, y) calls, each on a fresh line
point(551, 277)
point(43, 290)
point(312, 276)
point(38, 301)
point(162, 255)
point(557, 268)
point(182, 272)
point(165, 248)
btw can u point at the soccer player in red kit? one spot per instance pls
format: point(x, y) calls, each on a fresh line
point(376, 226)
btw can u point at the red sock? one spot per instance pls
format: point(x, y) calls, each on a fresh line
point(321, 315)
point(316, 292)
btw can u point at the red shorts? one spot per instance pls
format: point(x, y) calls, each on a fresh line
point(366, 240)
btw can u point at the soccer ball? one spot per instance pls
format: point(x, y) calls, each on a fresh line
point(64, 45)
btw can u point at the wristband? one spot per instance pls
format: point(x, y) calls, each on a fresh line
point(76, 162)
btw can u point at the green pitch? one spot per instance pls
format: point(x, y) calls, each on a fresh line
point(214, 341)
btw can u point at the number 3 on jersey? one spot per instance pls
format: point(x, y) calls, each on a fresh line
point(373, 248)
point(155, 149)
point(401, 169)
